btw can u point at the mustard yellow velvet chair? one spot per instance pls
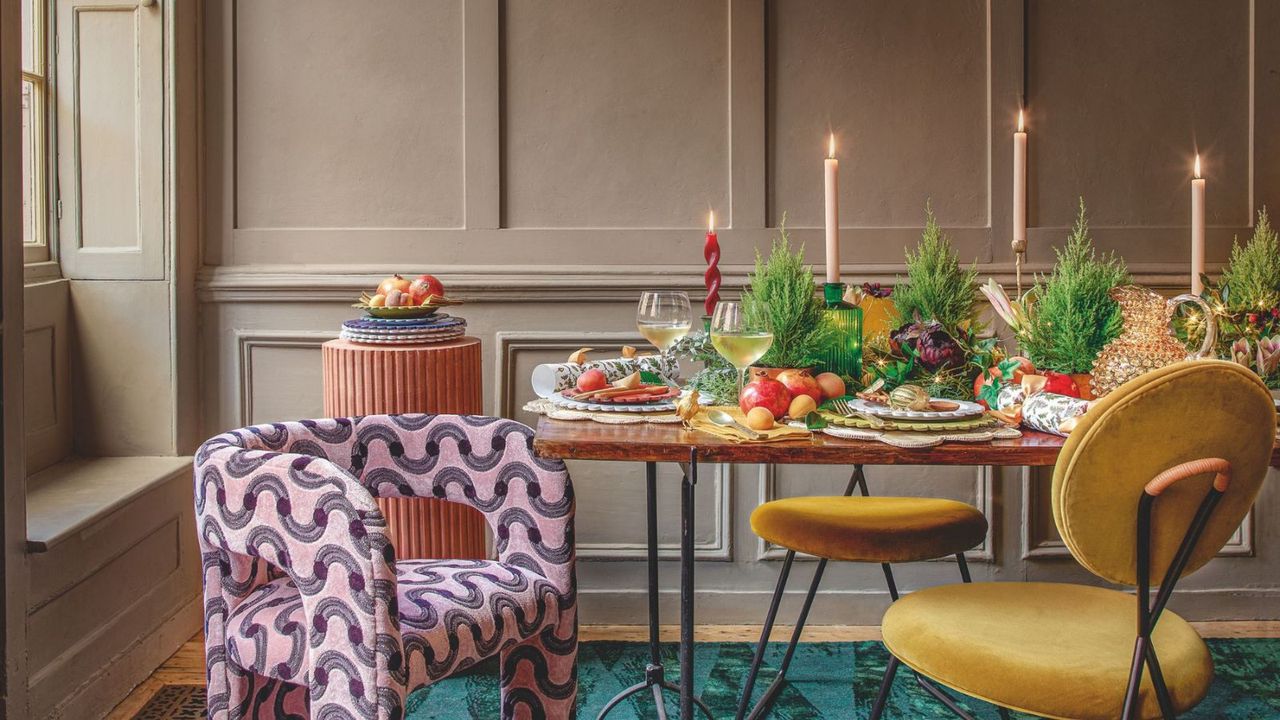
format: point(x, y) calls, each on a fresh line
point(1151, 484)
point(881, 530)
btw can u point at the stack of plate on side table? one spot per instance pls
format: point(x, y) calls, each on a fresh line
point(439, 327)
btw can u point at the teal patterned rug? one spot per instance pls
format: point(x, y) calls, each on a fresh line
point(826, 680)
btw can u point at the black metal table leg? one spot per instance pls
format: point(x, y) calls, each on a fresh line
point(654, 674)
point(686, 586)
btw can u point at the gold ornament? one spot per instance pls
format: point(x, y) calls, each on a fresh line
point(1146, 341)
point(688, 407)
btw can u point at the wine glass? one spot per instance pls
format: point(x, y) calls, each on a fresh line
point(663, 317)
point(739, 340)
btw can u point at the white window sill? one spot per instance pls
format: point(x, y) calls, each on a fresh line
point(73, 495)
point(37, 272)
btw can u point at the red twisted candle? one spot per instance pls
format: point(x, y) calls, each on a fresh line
point(711, 252)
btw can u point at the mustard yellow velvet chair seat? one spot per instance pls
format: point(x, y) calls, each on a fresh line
point(1050, 649)
point(871, 529)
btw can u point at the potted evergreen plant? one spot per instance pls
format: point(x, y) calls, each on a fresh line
point(783, 296)
point(1069, 315)
point(936, 343)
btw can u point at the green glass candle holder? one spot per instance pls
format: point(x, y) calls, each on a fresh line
point(843, 355)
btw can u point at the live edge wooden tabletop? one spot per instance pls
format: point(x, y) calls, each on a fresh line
point(584, 440)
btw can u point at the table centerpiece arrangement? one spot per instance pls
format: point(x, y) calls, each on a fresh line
point(938, 342)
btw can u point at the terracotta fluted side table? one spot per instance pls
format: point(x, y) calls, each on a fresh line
point(429, 378)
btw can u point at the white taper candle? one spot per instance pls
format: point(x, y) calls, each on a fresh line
point(1020, 187)
point(1197, 230)
point(832, 178)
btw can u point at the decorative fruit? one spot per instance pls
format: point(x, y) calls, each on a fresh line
point(759, 418)
point(831, 385)
point(395, 282)
point(592, 380)
point(986, 386)
point(800, 382)
point(766, 393)
point(911, 397)
point(424, 287)
point(395, 298)
point(1060, 384)
point(801, 405)
point(378, 300)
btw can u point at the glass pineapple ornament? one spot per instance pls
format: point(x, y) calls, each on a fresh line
point(1146, 340)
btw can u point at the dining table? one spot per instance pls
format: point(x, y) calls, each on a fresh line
point(653, 443)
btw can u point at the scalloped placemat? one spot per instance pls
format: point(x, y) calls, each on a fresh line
point(978, 423)
point(549, 409)
point(912, 440)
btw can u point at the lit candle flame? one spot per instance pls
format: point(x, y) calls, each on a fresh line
point(1021, 122)
point(711, 221)
point(831, 146)
point(1197, 166)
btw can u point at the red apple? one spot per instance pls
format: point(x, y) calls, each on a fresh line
point(395, 282)
point(800, 382)
point(766, 393)
point(592, 380)
point(423, 287)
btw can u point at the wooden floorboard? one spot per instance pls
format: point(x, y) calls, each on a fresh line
point(186, 667)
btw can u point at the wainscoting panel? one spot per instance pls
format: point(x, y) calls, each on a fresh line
point(550, 160)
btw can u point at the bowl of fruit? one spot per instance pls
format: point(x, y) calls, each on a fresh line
point(400, 297)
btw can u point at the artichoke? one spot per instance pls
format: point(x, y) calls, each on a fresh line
point(930, 342)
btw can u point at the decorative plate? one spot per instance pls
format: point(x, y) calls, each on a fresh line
point(962, 424)
point(966, 410)
point(404, 311)
point(660, 406)
point(405, 335)
point(407, 325)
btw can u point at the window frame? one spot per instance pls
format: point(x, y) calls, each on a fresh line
point(44, 192)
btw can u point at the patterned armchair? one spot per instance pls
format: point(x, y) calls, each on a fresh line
point(307, 611)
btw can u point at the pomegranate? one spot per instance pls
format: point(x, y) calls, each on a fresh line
point(769, 394)
point(800, 382)
point(423, 287)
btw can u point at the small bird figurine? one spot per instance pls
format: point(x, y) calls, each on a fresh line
point(688, 407)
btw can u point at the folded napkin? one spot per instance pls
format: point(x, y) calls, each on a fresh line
point(779, 432)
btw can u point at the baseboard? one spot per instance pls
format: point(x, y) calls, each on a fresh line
point(105, 689)
point(845, 607)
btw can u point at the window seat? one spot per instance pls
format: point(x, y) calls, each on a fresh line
point(72, 495)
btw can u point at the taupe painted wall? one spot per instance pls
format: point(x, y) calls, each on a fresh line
point(551, 159)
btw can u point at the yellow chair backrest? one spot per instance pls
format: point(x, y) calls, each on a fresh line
point(1186, 411)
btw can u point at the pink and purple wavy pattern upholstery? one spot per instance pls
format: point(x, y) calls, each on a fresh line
point(308, 614)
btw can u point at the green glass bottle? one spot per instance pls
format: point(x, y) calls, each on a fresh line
point(843, 355)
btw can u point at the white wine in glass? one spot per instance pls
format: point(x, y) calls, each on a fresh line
point(736, 339)
point(663, 317)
